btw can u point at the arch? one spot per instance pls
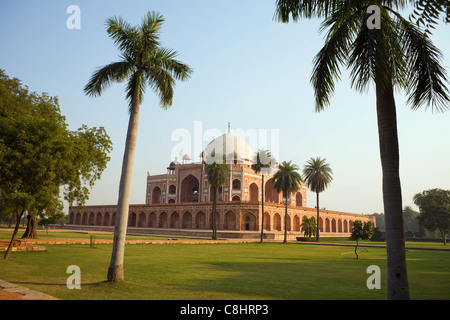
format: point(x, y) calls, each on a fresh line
point(156, 195)
point(175, 220)
point(200, 220)
point(163, 220)
point(78, 218)
point(141, 220)
point(151, 223)
point(277, 222)
point(253, 193)
point(345, 226)
point(270, 193)
point(327, 225)
point(189, 189)
point(230, 221)
point(187, 220)
point(299, 199)
point(106, 219)
point(132, 222)
point(171, 200)
point(320, 224)
point(296, 223)
point(236, 184)
point(333, 225)
point(172, 189)
point(267, 221)
point(236, 198)
point(249, 221)
point(339, 223)
point(91, 219)
point(288, 222)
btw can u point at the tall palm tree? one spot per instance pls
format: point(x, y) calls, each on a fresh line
point(397, 55)
point(218, 174)
point(142, 62)
point(263, 163)
point(287, 180)
point(318, 175)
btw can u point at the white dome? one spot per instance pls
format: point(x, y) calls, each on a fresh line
point(228, 144)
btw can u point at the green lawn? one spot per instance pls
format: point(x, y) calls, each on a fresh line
point(225, 271)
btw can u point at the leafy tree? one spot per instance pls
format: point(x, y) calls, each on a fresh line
point(410, 220)
point(37, 155)
point(263, 163)
point(361, 232)
point(434, 207)
point(318, 175)
point(287, 180)
point(218, 174)
point(397, 55)
point(143, 62)
point(309, 227)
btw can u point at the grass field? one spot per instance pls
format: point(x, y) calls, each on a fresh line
point(225, 271)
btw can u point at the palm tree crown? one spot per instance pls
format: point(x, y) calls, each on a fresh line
point(142, 61)
point(317, 174)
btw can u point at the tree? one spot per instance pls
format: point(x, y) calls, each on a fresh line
point(361, 232)
point(218, 174)
point(37, 157)
point(263, 163)
point(309, 227)
point(143, 62)
point(318, 175)
point(287, 180)
point(434, 205)
point(396, 55)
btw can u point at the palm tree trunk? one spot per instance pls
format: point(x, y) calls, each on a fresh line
point(115, 271)
point(318, 224)
point(262, 209)
point(285, 219)
point(392, 196)
point(214, 229)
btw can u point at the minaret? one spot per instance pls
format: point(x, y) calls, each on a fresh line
point(228, 126)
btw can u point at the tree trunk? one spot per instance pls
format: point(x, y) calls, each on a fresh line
point(13, 237)
point(392, 197)
point(356, 250)
point(318, 216)
point(31, 230)
point(262, 209)
point(214, 228)
point(115, 271)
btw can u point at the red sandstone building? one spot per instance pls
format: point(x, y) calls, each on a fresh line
point(179, 203)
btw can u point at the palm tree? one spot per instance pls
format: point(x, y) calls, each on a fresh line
point(287, 180)
point(318, 175)
point(398, 54)
point(263, 163)
point(218, 174)
point(142, 62)
point(309, 227)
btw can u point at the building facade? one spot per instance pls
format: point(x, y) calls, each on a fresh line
point(179, 202)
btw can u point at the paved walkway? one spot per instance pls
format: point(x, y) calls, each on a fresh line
point(11, 291)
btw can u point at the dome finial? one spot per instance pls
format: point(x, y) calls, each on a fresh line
point(228, 126)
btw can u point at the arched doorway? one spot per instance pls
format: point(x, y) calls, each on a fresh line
point(254, 192)
point(230, 221)
point(163, 220)
point(187, 220)
point(152, 220)
point(298, 199)
point(156, 195)
point(270, 193)
point(189, 189)
point(277, 222)
point(174, 220)
point(248, 222)
point(200, 220)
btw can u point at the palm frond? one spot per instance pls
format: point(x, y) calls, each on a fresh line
point(103, 76)
point(124, 35)
point(427, 78)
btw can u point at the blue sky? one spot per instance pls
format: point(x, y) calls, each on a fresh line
point(248, 69)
